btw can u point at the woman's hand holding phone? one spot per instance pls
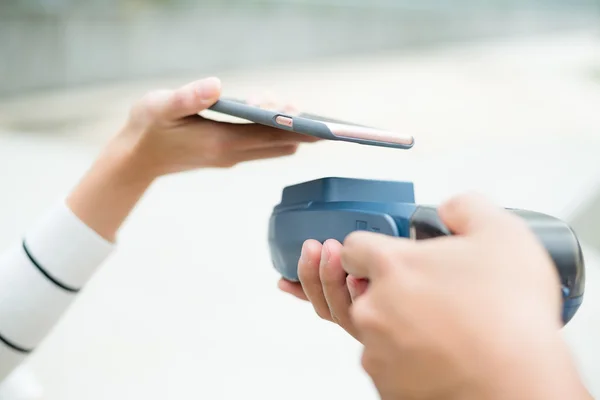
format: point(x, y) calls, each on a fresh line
point(164, 135)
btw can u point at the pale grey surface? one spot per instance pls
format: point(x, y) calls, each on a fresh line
point(188, 307)
point(65, 43)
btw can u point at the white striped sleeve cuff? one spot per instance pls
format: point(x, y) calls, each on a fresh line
point(39, 277)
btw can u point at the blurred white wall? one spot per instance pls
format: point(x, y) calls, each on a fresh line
point(48, 44)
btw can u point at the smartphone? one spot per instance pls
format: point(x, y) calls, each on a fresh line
point(312, 125)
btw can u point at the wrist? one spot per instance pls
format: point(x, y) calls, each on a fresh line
point(111, 188)
point(539, 368)
point(127, 158)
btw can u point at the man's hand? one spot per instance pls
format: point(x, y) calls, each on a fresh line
point(325, 284)
point(472, 316)
point(165, 135)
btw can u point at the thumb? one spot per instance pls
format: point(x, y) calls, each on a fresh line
point(469, 213)
point(187, 100)
point(368, 255)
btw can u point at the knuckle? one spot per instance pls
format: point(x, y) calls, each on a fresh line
point(365, 317)
point(414, 287)
point(345, 323)
point(387, 258)
point(369, 362)
point(335, 319)
point(456, 204)
point(148, 105)
point(324, 315)
point(410, 255)
point(218, 147)
point(147, 110)
point(290, 150)
point(353, 239)
point(179, 101)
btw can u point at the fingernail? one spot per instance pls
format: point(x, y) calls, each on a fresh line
point(209, 88)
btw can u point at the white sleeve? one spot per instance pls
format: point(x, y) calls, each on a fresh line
point(40, 277)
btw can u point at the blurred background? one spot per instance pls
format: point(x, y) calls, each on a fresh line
point(503, 97)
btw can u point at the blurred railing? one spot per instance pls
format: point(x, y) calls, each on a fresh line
point(57, 43)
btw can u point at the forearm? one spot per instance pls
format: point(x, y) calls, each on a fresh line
point(107, 194)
